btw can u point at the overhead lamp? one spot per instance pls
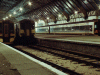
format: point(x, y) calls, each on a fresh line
point(86, 1)
point(59, 15)
point(14, 12)
point(4, 19)
point(76, 12)
point(30, 3)
point(48, 18)
point(20, 8)
point(10, 15)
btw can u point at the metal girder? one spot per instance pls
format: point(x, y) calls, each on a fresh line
point(81, 9)
point(96, 3)
point(91, 4)
point(64, 12)
point(85, 5)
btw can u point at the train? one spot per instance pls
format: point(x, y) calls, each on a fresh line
point(24, 30)
point(89, 27)
point(7, 31)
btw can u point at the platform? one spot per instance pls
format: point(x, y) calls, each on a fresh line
point(95, 39)
point(24, 64)
point(85, 44)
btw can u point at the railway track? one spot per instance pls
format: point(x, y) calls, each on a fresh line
point(79, 57)
point(61, 59)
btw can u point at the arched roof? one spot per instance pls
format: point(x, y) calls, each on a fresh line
point(43, 8)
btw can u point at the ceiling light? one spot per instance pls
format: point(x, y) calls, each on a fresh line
point(76, 12)
point(4, 19)
point(29, 3)
point(14, 12)
point(7, 17)
point(20, 9)
point(86, 1)
point(10, 15)
point(59, 15)
point(48, 18)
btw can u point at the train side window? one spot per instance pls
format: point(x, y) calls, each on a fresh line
point(95, 26)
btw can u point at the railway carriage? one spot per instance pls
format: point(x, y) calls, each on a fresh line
point(26, 28)
point(83, 28)
point(25, 32)
point(7, 31)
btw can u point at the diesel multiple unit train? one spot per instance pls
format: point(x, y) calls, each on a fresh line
point(9, 32)
point(24, 31)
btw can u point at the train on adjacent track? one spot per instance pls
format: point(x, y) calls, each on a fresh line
point(87, 27)
point(9, 31)
point(24, 30)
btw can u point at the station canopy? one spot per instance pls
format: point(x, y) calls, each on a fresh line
point(17, 10)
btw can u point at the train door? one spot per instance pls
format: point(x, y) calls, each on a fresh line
point(6, 33)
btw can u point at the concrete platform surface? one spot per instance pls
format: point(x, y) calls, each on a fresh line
point(74, 38)
point(25, 64)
